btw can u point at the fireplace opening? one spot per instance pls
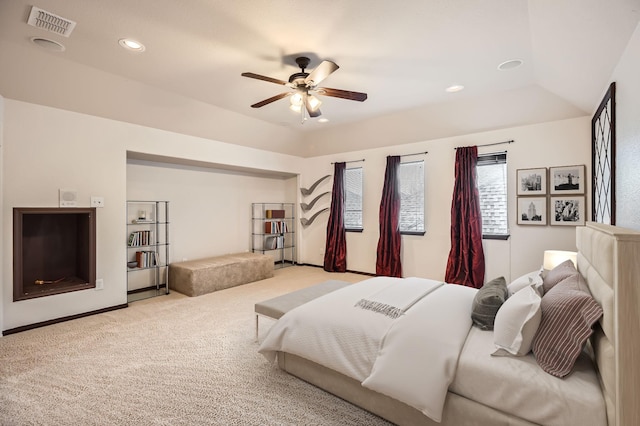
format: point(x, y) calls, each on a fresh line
point(54, 251)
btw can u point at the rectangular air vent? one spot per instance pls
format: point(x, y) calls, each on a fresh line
point(51, 22)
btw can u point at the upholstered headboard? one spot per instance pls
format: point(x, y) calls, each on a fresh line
point(609, 260)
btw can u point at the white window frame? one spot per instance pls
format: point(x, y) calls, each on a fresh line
point(351, 227)
point(414, 216)
point(485, 160)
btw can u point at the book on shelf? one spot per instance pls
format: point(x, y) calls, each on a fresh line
point(147, 259)
point(274, 214)
point(140, 238)
point(275, 227)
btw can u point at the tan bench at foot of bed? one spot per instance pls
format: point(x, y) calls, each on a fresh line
point(202, 276)
point(278, 306)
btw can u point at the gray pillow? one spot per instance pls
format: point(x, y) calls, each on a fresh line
point(487, 302)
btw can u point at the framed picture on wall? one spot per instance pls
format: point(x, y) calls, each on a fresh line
point(532, 181)
point(567, 210)
point(532, 210)
point(567, 180)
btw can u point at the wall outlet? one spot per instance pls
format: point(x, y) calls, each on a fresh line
point(99, 284)
point(97, 201)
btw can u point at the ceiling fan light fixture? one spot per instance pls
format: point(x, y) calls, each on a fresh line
point(296, 108)
point(314, 103)
point(296, 99)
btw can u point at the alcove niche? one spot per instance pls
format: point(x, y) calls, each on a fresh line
point(54, 251)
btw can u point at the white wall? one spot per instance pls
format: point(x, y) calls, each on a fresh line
point(210, 209)
point(46, 149)
point(557, 143)
point(628, 135)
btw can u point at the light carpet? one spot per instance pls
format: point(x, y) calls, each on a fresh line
point(169, 360)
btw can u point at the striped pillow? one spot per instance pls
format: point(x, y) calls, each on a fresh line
point(568, 313)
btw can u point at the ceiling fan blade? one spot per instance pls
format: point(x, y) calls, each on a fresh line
point(321, 72)
point(344, 94)
point(264, 78)
point(271, 99)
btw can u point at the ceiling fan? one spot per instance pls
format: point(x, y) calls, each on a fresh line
point(305, 85)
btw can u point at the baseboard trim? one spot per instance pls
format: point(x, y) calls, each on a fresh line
point(369, 274)
point(62, 319)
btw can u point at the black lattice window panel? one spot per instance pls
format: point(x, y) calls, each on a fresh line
point(603, 153)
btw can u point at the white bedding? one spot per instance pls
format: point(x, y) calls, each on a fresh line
point(411, 358)
point(517, 385)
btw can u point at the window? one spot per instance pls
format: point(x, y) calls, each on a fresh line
point(492, 186)
point(353, 199)
point(411, 180)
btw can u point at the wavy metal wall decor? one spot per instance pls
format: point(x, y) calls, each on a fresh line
point(307, 207)
point(312, 188)
point(306, 222)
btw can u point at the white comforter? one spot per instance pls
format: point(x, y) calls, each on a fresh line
point(411, 358)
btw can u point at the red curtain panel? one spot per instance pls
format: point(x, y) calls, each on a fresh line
point(335, 254)
point(388, 254)
point(466, 259)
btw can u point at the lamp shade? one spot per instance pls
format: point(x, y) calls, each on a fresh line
point(553, 258)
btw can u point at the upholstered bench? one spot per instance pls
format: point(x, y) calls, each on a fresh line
point(202, 276)
point(278, 306)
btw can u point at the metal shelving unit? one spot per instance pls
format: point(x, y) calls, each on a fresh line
point(274, 236)
point(147, 249)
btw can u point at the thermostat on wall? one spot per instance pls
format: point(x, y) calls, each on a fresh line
point(68, 197)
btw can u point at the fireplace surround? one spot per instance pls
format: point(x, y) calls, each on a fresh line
point(54, 251)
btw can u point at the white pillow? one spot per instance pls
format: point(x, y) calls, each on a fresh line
point(530, 279)
point(517, 322)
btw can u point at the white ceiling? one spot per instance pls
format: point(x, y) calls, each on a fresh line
point(402, 54)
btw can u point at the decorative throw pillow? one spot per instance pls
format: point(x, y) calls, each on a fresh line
point(517, 322)
point(557, 274)
point(568, 314)
point(530, 279)
point(487, 302)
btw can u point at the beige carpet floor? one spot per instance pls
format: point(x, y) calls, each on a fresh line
point(169, 360)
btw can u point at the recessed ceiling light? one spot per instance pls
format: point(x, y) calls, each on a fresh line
point(48, 44)
point(131, 44)
point(454, 88)
point(510, 64)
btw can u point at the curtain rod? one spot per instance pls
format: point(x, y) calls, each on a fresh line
point(491, 144)
point(354, 161)
point(417, 153)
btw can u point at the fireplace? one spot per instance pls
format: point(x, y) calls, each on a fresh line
point(54, 251)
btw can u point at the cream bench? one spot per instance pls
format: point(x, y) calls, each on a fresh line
point(202, 276)
point(278, 306)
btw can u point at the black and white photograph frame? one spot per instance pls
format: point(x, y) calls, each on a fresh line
point(567, 180)
point(532, 211)
point(567, 210)
point(532, 181)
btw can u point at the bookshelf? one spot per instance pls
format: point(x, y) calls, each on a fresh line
point(147, 249)
point(273, 232)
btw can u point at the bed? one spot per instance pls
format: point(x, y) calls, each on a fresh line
point(602, 387)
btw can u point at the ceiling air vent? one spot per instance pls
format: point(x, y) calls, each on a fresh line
point(51, 22)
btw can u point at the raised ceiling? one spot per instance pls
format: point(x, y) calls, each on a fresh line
point(402, 54)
